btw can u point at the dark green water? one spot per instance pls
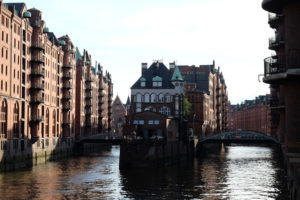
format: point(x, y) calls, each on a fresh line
point(235, 172)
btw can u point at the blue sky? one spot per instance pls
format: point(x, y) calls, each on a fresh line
point(121, 34)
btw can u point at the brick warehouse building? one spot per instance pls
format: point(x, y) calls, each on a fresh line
point(252, 115)
point(38, 86)
point(282, 71)
point(156, 103)
point(207, 92)
point(118, 116)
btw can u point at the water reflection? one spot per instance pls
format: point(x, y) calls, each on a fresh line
point(234, 172)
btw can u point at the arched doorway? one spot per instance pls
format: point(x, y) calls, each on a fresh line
point(3, 119)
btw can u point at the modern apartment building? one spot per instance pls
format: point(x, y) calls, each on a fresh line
point(282, 70)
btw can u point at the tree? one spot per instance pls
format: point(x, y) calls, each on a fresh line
point(186, 105)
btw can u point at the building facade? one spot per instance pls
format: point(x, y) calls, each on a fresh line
point(281, 71)
point(207, 92)
point(156, 97)
point(38, 86)
point(252, 115)
point(118, 116)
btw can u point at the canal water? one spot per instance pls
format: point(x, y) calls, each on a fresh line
point(232, 172)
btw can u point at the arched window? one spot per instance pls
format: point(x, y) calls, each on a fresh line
point(168, 98)
point(16, 121)
point(53, 123)
point(147, 98)
point(3, 119)
point(153, 98)
point(161, 98)
point(164, 111)
point(47, 123)
point(138, 98)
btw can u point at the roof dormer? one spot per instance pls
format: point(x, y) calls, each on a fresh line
point(157, 81)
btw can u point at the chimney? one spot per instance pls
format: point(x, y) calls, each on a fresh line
point(144, 67)
point(172, 65)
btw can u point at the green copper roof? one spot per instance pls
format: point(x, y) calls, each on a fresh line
point(62, 42)
point(143, 79)
point(78, 55)
point(71, 51)
point(157, 78)
point(87, 62)
point(176, 75)
point(46, 30)
point(27, 14)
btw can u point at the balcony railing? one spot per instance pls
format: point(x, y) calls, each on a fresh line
point(67, 106)
point(67, 75)
point(88, 87)
point(36, 99)
point(66, 122)
point(67, 66)
point(275, 42)
point(67, 96)
point(38, 45)
point(36, 118)
point(37, 71)
point(39, 59)
point(272, 66)
point(67, 85)
point(37, 85)
point(274, 20)
point(88, 95)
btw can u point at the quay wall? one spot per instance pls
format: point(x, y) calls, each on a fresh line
point(24, 154)
point(136, 154)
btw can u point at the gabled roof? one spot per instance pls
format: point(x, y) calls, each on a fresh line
point(52, 38)
point(128, 101)
point(156, 69)
point(176, 75)
point(18, 7)
point(78, 55)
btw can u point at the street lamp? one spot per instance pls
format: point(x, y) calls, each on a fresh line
point(194, 115)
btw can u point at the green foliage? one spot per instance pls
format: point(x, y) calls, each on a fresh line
point(186, 106)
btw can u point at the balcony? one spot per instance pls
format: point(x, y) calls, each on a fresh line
point(275, 103)
point(88, 95)
point(88, 104)
point(67, 96)
point(67, 106)
point(38, 59)
point(36, 119)
point(88, 80)
point(67, 66)
point(38, 45)
point(275, 42)
point(37, 85)
point(36, 99)
point(274, 20)
point(273, 70)
point(100, 88)
point(88, 111)
point(67, 85)
point(88, 87)
point(274, 6)
point(37, 71)
point(66, 122)
point(67, 75)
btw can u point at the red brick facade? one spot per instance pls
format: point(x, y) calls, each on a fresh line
point(252, 115)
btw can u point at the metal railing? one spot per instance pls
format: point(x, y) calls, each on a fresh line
point(272, 66)
point(38, 71)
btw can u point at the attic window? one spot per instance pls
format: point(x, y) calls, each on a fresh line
point(157, 81)
point(143, 82)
